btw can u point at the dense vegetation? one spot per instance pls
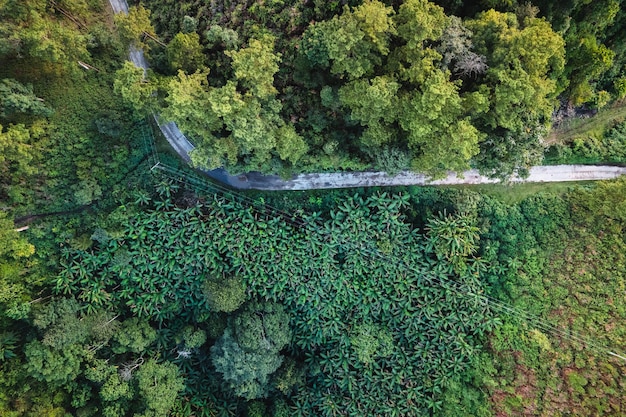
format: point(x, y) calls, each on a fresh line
point(284, 87)
point(127, 293)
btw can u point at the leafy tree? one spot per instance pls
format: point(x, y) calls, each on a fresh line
point(131, 84)
point(351, 43)
point(12, 244)
point(256, 65)
point(158, 386)
point(188, 104)
point(419, 21)
point(372, 101)
point(290, 145)
point(185, 52)
point(18, 98)
point(248, 351)
point(53, 366)
point(134, 24)
point(217, 34)
point(225, 295)
point(134, 335)
point(524, 63)
point(437, 132)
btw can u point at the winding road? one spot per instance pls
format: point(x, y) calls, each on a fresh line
point(258, 181)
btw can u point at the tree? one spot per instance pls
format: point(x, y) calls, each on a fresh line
point(158, 386)
point(374, 104)
point(55, 367)
point(525, 62)
point(184, 52)
point(290, 145)
point(352, 44)
point(225, 295)
point(138, 92)
point(18, 98)
point(248, 351)
point(255, 66)
point(419, 21)
point(133, 25)
point(440, 137)
point(134, 335)
point(456, 50)
point(189, 105)
point(12, 244)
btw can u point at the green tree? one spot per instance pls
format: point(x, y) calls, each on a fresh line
point(53, 366)
point(224, 295)
point(353, 43)
point(133, 25)
point(256, 65)
point(134, 335)
point(185, 52)
point(18, 98)
point(12, 244)
point(525, 61)
point(248, 351)
point(189, 105)
point(136, 91)
point(439, 135)
point(158, 386)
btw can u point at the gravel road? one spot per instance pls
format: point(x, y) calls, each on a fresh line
point(257, 181)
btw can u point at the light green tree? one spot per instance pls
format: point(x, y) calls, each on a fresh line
point(353, 43)
point(158, 386)
point(137, 91)
point(184, 52)
point(256, 65)
point(525, 60)
point(133, 335)
point(132, 26)
point(439, 135)
point(225, 295)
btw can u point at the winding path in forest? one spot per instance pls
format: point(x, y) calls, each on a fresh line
point(258, 181)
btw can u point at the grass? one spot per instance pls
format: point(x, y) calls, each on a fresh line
point(592, 126)
point(514, 193)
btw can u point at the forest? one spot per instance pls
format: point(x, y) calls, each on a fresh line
point(131, 291)
point(288, 87)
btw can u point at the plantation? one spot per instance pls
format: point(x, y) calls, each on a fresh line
point(131, 290)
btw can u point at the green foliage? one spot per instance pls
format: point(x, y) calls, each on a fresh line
point(255, 65)
point(370, 341)
point(12, 245)
point(184, 52)
point(224, 295)
point(524, 62)
point(453, 238)
point(350, 44)
point(135, 90)
point(158, 385)
point(248, 351)
point(132, 25)
point(133, 336)
point(18, 98)
point(440, 138)
point(331, 278)
point(52, 366)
